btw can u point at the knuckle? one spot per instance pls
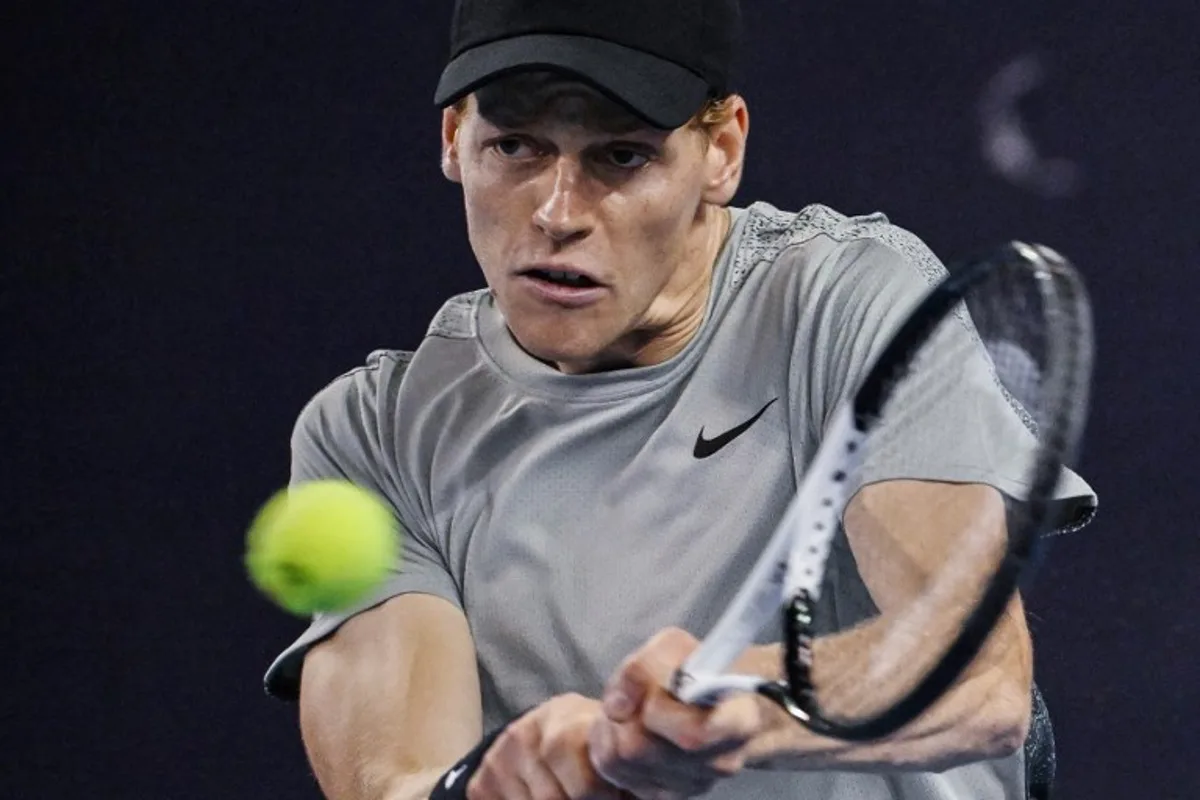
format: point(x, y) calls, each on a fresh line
point(674, 637)
point(553, 750)
point(633, 666)
point(628, 746)
point(521, 735)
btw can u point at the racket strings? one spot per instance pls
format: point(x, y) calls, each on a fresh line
point(1001, 339)
point(1002, 324)
point(1020, 329)
point(1010, 314)
point(881, 659)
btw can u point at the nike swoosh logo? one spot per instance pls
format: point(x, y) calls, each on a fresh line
point(453, 774)
point(706, 447)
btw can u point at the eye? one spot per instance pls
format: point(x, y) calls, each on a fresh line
point(513, 147)
point(626, 157)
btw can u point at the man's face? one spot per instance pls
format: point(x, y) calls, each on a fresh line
point(589, 225)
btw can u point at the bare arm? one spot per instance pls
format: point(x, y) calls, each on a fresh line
point(893, 529)
point(902, 533)
point(390, 701)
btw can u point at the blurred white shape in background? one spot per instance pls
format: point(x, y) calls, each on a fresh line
point(1008, 148)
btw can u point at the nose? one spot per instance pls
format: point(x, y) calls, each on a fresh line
point(565, 214)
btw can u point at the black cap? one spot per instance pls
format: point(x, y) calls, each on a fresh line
point(660, 58)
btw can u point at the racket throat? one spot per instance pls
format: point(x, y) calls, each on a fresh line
point(796, 694)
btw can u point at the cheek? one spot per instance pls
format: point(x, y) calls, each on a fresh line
point(662, 221)
point(479, 199)
point(492, 215)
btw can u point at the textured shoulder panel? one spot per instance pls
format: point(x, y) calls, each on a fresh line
point(456, 318)
point(380, 366)
point(769, 232)
point(400, 358)
point(357, 391)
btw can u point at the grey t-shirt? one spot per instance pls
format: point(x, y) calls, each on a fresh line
point(569, 516)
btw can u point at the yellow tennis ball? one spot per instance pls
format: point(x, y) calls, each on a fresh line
point(321, 546)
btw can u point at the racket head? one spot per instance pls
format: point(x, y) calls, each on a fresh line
point(1018, 318)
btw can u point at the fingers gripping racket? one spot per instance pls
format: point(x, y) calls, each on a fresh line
point(1023, 314)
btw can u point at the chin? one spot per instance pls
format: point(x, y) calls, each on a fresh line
point(557, 352)
point(583, 336)
point(555, 348)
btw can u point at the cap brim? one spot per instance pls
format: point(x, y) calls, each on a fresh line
point(659, 91)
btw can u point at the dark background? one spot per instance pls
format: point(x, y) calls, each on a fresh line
point(212, 209)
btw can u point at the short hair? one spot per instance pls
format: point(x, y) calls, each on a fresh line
point(715, 112)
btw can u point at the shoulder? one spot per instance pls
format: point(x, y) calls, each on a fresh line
point(456, 319)
point(381, 369)
point(372, 389)
point(829, 248)
point(354, 401)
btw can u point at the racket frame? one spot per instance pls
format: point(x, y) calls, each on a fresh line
point(791, 568)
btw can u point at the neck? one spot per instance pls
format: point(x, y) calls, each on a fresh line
point(688, 292)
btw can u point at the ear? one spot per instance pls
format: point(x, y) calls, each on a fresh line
point(452, 120)
point(726, 154)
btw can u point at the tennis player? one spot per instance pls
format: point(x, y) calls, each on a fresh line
point(589, 454)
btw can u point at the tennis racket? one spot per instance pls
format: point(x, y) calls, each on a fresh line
point(1017, 322)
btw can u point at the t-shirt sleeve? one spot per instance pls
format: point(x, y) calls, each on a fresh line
point(346, 432)
point(964, 428)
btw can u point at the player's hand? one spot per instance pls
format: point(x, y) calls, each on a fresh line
point(543, 755)
point(656, 747)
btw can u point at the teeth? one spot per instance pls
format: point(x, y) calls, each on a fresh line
point(565, 277)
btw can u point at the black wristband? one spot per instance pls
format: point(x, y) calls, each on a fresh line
point(453, 784)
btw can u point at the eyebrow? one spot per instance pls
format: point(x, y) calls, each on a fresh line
point(522, 101)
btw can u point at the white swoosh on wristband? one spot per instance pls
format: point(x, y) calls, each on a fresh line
point(453, 774)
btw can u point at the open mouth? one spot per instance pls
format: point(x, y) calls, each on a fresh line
point(562, 278)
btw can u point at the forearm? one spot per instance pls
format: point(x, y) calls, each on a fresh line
point(390, 702)
point(984, 715)
point(356, 759)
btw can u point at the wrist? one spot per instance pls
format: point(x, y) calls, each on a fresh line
point(452, 784)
